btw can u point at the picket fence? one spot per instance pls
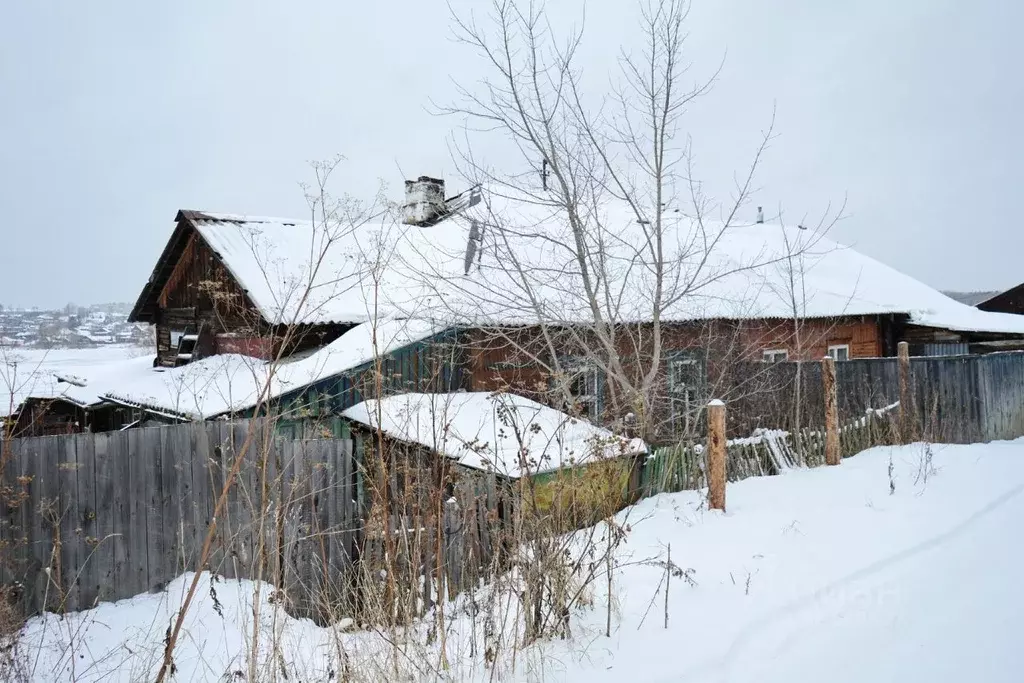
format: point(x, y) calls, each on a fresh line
point(683, 467)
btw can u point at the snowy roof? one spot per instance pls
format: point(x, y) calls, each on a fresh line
point(734, 272)
point(504, 433)
point(233, 382)
point(737, 272)
point(295, 271)
point(61, 373)
point(971, 298)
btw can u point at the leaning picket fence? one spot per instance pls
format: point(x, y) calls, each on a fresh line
point(767, 452)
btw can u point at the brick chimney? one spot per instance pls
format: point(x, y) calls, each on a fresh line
point(424, 200)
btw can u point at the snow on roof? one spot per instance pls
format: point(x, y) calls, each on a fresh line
point(228, 382)
point(232, 382)
point(493, 432)
point(294, 271)
point(54, 373)
point(738, 272)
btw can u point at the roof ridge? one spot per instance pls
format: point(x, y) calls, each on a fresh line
point(218, 217)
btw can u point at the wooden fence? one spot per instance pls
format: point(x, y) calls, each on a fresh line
point(767, 452)
point(955, 399)
point(101, 517)
point(114, 514)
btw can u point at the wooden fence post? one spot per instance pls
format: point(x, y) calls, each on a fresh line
point(906, 411)
point(716, 455)
point(828, 378)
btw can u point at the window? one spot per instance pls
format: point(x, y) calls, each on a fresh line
point(775, 355)
point(584, 383)
point(839, 351)
point(585, 387)
point(685, 384)
point(683, 375)
point(176, 336)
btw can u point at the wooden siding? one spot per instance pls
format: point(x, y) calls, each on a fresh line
point(201, 295)
point(862, 334)
point(430, 365)
point(200, 281)
point(47, 417)
point(497, 363)
point(257, 347)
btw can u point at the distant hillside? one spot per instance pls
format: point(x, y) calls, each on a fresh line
point(971, 298)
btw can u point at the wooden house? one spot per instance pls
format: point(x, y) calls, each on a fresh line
point(245, 285)
point(228, 289)
point(271, 287)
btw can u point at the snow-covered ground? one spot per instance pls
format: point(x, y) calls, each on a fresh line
point(816, 575)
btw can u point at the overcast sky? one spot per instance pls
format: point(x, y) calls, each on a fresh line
point(113, 115)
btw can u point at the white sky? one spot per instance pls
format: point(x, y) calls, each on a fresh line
point(115, 114)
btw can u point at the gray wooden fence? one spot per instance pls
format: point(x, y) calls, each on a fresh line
point(956, 399)
point(107, 516)
point(101, 517)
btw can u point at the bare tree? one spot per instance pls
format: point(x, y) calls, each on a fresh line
point(791, 287)
point(335, 223)
point(607, 239)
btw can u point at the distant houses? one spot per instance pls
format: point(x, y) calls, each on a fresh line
point(83, 327)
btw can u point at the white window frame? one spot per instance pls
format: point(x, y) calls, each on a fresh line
point(681, 394)
point(589, 403)
point(834, 349)
point(176, 336)
point(673, 382)
point(775, 355)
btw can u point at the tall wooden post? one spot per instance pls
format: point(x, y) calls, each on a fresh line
point(828, 378)
point(833, 456)
point(716, 455)
point(906, 409)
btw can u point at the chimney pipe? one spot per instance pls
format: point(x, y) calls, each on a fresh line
point(424, 200)
point(760, 215)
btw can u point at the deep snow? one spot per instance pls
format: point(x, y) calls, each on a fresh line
point(815, 575)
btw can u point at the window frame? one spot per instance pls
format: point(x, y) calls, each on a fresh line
point(772, 355)
point(679, 361)
point(833, 351)
point(684, 396)
point(176, 341)
point(583, 369)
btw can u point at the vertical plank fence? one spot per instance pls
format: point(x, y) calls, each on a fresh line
point(108, 516)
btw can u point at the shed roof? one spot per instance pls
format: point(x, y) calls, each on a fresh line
point(497, 432)
point(232, 382)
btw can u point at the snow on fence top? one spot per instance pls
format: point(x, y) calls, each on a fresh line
point(502, 433)
point(737, 272)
